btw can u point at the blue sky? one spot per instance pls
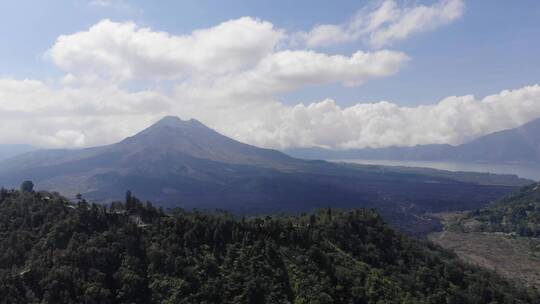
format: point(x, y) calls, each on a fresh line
point(494, 46)
point(490, 46)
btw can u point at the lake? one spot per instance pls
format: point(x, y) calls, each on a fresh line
point(530, 171)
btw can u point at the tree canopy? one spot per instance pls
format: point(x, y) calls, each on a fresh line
point(27, 186)
point(518, 213)
point(55, 251)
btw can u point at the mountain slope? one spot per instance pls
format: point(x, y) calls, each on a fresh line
point(517, 213)
point(8, 151)
point(184, 163)
point(169, 135)
point(521, 144)
point(169, 152)
point(57, 252)
point(503, 236)
point(196, 140)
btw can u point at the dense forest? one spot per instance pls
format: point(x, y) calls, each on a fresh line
point(517, 213)
point(56, 251)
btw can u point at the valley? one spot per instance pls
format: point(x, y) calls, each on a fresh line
point(516, 258)
point(503, 236)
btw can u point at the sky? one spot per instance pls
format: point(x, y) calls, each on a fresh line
point(278, 74)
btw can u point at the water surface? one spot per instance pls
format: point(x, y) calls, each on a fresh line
point(530, 171)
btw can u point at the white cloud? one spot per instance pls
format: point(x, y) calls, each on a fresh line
point(92, 116)
point(326, 34)
point(225, 75)
point(245, 103)
point(35, 112)
point(453, 120)
point(289, 70)
point(101, 3)
point(124, 51)
point(383, 24)
point(229, 77)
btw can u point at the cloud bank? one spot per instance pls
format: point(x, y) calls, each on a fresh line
point(453, 120)
point(120, 77)
point(92, 116)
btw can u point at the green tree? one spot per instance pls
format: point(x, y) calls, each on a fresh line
point(27, 186)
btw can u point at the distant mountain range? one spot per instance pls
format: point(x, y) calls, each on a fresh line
point(521, 144)
point(7, 151)
point(180, 163)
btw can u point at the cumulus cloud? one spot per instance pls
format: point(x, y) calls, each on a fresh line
point(124, 51)
point(229, 76)
point(453, 120)
point(35, 112)
point(289, 70)
point(70, 117)
point(381, 25)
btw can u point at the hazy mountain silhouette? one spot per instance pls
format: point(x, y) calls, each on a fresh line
point(7, 151)
point(171, 134)
point(184, 163)
point(521, 144)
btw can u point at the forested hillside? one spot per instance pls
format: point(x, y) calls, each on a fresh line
point(504, 236)
point(517, 213)
point(53, 251)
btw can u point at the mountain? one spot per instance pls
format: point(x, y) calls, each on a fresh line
point(7, 151)
point(171, 148)
point(184, 163)
point(521, 144)
point(192, 138)
point(170, 135)
point(54, 251)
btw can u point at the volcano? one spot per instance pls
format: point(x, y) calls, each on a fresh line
point(183, 163)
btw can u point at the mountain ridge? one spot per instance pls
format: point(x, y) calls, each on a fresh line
point(10, 150)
